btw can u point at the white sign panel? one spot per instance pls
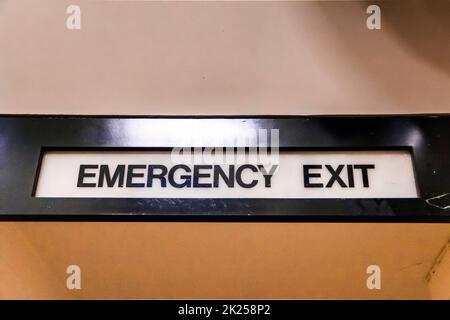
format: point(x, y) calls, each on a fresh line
point(294, 175)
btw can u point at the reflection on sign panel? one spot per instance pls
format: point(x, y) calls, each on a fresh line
point(293, 175)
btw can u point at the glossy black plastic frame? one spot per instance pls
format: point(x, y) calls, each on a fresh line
point(23, 139)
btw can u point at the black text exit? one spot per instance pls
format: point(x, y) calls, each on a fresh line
point(342, 175)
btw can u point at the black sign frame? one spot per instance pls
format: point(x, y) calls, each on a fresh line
point(23, 139)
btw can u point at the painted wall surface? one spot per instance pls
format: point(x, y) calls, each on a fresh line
point(218, 260)
point(439, 277)
point(221, 58)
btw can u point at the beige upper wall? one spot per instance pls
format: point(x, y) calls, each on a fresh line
point(224, 58)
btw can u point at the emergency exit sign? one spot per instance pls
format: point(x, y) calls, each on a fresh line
point(225, 168)
point(293, 175)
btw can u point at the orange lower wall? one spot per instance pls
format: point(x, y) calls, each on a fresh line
point(24, 272)
point(217, 260)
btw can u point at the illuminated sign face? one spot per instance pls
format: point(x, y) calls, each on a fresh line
point(292, 175)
